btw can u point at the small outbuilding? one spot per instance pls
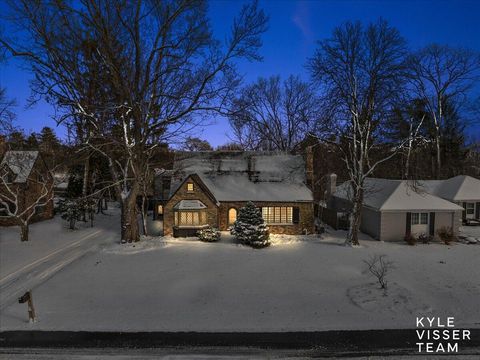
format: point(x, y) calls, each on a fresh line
point(394, 208)
point(26, 187)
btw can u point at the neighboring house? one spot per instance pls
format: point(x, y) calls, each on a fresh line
point(462, 190)
point(24, 176)
point(209, 188)
point(395, 208)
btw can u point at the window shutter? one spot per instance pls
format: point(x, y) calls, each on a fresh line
point(296, 215)
point(464, 212)
point(408, 229)
point(477, 214)
point(432, 223)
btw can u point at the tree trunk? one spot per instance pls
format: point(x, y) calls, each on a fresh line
point(86, 173)
point(355, 218)
point(438, 157)
point(144, 217)
point(130, 229)
point(24, 232)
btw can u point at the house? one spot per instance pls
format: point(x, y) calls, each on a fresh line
point(24, 177)
point(209, 188)
point(395, 208)
point(462, 190)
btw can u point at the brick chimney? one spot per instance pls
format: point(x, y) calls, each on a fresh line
point(331, 186)
point(309, 167)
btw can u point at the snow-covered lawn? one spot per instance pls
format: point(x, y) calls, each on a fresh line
point(299, 283)
point(46, 237)
point(471, 231)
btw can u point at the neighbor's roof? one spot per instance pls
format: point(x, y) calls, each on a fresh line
point(20, 163)
point(458, 188)
point(396, 195)
point(245, 176)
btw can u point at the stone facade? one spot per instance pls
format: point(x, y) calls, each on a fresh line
point(217, 216)
point(182, 193)
point(305, 222)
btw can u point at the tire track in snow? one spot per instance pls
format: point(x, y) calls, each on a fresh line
point(35, 273)
point(45, 258)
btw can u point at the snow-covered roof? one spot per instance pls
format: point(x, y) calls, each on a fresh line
point(244, 176)
point(190, 205)
point(20, 163)
point(396, 195)
point(458, 188)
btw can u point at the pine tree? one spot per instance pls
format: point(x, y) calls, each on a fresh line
point(250, 228)
point(70, 211)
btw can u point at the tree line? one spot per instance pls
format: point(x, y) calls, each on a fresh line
point(128, 77)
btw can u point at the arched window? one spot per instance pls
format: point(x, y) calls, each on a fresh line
point(232, 216)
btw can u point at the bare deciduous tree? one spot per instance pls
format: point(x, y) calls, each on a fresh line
point(379, 267)
point(271, 115)
point(20, 200)
point(6, 113)
point(441, 74)
point(135, 71)
point(362, 71)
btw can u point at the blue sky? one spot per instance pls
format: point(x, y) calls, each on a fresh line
point(294, 28)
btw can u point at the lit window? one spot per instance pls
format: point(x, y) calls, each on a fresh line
point(232, 216)
point(470, 208)
point(277, 214)
point(189, 187)
point(190, 218)
point(160, 209)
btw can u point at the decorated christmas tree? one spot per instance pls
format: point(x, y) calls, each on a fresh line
point(250, 228)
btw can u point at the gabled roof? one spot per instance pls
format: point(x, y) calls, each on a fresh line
point(396, 195)
point(21, 163)
point(245, 176)
point(458, 188)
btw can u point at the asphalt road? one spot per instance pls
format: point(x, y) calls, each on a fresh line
point(201, 353)
point(394, 342)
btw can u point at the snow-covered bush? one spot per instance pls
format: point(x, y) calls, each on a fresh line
point(250, 228)
point(209, 234)
point(425, 239)
point(446, 235)
point(410, 239)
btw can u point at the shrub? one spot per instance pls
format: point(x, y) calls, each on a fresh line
point(446, 235)
point(379, 267)
point(209, 234)
point(410, 239)
point(425, 239)
point(250, 228)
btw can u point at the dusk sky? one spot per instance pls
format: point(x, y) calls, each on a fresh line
point(294, 29)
